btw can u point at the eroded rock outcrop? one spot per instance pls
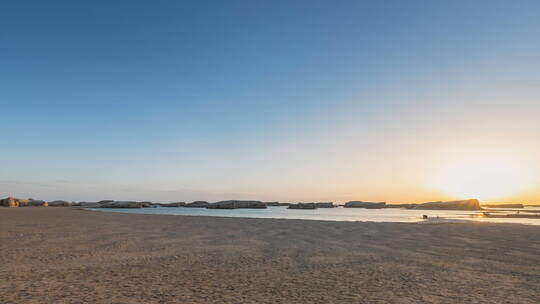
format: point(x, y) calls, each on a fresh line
point(122, 204)
point(37, 203)
point(88, 204)
point(325, 205)
point(176, 204)
point(146, 204)
point(309, 206)
point(197, 204)
point(470, 204)
point(17, 202)
point(367, 205)
point(60, 203)
point(503, 206)
point(403, 206)
point(9, 202)
point(236, 204)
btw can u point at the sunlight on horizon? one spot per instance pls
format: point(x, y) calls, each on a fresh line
point(483, 175)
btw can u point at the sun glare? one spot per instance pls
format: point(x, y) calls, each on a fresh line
point(485, 176)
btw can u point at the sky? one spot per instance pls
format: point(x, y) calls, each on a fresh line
point(397, 101)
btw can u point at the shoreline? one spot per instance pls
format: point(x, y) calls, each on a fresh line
point(430, 220)
point(310, 220)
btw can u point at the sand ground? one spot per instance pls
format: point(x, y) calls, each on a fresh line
point(64, 255)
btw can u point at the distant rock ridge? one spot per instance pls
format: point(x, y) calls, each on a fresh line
point(404, 206)
point(60, 203)
point(367, 205)
point(175, 204)
point(87, 204)
point(309, 206)
point(197, 204)
point(325, 205)
point(470, 204)
point(503, 205)
point(236, 204)
point(113, 204)
point(122, 204)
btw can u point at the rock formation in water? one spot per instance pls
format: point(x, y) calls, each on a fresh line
point(147, 204)
point(309, 206)
point(470, 204)
point(404, 206)
point(503, 206)
point(325, 205)
point(367, 205)
point(122, 204)
point(175, 204)
point(197, 204)
point(271, 203)
point(236, 204)
point(88, 204)
point(60, 203)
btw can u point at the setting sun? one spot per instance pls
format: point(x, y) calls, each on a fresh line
point(484, 176)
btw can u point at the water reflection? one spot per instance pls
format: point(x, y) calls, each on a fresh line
point(343, 214)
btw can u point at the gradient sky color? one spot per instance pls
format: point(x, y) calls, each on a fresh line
point(270, 100)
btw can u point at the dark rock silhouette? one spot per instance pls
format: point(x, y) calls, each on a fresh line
point(88, 204)
point(404, 206)
point(147, 204)
point(470, 204)
point(175, 204)
point(367, 205)
point(197, 204)
point(504, 206)
point(325, 205)
point(235, 204)
point(309, 206)
point(60, 203)
point(122, 204)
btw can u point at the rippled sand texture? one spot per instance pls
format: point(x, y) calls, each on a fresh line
point(63, 255)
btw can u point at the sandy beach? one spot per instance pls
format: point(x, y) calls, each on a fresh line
point(67, 255)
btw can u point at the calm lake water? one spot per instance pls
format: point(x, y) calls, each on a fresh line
point(334, 214)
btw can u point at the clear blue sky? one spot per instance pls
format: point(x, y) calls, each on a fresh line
point(288, 100)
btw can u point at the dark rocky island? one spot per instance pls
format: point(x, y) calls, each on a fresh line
point(367, 205)
point(234, 204)
point(309, 206)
